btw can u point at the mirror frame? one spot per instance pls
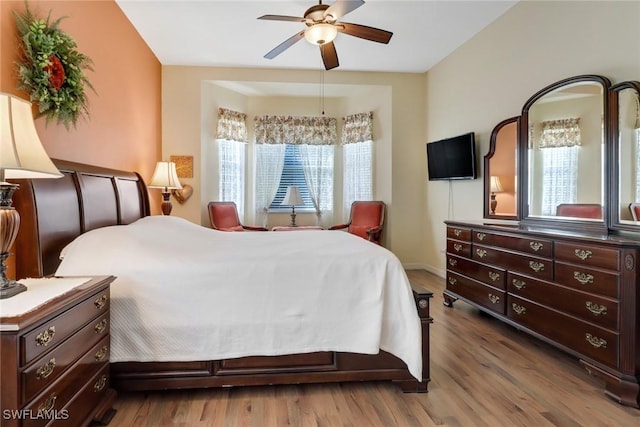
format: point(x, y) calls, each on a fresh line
point(487, 169)
point(614, 210)
point(523, 161)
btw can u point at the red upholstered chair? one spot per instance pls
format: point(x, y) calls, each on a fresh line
point(635, 210)
point(580, 210)
point(366, 220)
point(224, 217)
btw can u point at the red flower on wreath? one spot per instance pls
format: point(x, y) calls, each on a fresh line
point(56, 72)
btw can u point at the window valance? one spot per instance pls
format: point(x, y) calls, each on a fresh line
point(296, 130)
point(560, 133)
point(232, 125)
point(357, 128)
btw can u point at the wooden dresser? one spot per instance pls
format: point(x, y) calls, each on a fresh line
point(55, 355)
point(576, 291)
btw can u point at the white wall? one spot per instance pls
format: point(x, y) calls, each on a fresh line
point(489, 79)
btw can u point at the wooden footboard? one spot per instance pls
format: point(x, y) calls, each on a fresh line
point(320, 367)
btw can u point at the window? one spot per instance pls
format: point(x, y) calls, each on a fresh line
point(231, 136)
point(560, 174)
point(292, 174)
point(357, 160)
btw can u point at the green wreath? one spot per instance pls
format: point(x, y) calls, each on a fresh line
point(51, 70)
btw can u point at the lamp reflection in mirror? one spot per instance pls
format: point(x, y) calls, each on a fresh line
point(165, 177)
point(495, 187)
point(292, 198)
point(22, 156)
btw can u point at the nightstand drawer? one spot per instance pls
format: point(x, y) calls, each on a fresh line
point(53, 332)
point(90, 396)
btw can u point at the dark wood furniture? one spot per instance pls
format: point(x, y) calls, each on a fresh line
point(55, 359)
point(576, 291)
point(54, 212)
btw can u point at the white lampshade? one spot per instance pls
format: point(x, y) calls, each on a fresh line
point(292, 197)
point(165, 176)
point(21, 152)
point(496, 186)
point(320, 34)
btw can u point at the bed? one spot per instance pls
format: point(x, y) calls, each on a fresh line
point(77, 215)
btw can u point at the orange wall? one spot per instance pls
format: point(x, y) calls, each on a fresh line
point(124, 127)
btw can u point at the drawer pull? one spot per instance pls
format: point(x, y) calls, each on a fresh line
point(583, 254)
point(494, 298)
point(457, 232)
point(453, 262)
point(520, 310)
point(596, 309)
point(520, 284)
point(481, 236)
point(101, 302)
point(453, 280)
point(47, 369)
point(481, 253)
point(595, 341)
point(48, 404)
point(494, 276)
point(457, 247)
point(45, 337)
point(536, 246)
point(536, 266)
point(102, 353)
point(100, 326)
point(100, 384)
point(583, 278)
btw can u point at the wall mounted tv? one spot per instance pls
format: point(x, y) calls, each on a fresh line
point(452, 158)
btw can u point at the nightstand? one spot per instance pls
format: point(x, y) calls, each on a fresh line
point(54, 346)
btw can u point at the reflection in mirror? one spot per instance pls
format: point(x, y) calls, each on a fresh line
point(628, 139)
point(565, 153)
point(500, 171)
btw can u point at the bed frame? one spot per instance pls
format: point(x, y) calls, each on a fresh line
point(54, 211)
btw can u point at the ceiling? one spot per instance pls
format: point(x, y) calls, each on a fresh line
point(228, 34)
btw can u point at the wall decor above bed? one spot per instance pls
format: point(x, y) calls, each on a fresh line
point(52, 70)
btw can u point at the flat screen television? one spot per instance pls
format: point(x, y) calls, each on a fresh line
point(452, 158)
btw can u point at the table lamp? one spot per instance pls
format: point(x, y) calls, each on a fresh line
point(22, 156)
point(496, 187)
point(166, 178)
point(292, 198)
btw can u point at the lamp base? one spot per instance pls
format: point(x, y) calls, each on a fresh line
point(493, 204)
point(166, 205)
point(10, 288)
point(293, 218)
point(9, 225)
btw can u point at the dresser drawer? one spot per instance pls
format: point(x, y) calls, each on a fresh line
point(539, 247)
point(489, 297)
point(590, 340)
point(87, 400)
point(487, 274)
point(537, 267)
point(51, 333)
point(45, 371)
point(459, 247)
point(596, 309)
point(588, 280)
point(459, 233)
point(591, 256)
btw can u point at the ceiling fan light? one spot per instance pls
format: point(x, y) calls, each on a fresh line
point(320, 34)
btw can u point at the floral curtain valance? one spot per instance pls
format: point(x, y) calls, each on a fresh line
point(232, 125)
point(357, 128)
point(296, 130)
point(560, 133)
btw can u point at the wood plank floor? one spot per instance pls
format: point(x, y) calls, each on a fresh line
point(483, 373)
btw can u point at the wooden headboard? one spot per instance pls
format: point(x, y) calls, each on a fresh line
point(53, 212)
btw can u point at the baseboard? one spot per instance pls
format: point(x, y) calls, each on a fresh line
point(429, 268)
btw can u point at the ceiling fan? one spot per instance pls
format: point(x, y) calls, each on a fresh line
point(323, 26)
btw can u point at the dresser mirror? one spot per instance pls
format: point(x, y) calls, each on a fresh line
point(563, 136)
point(626, 134)
point(500, 171)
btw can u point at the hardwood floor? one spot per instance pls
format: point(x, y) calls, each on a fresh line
point(483, 373)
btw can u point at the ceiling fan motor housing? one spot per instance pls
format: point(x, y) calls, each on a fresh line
point(315, 14)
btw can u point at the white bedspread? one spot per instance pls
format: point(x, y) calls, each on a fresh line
point(185, 292)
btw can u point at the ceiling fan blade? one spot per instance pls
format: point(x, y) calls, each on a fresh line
point(329, 55)
point(282, 18)
point(284, 45)
point(342, 7)
point(364, 32)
